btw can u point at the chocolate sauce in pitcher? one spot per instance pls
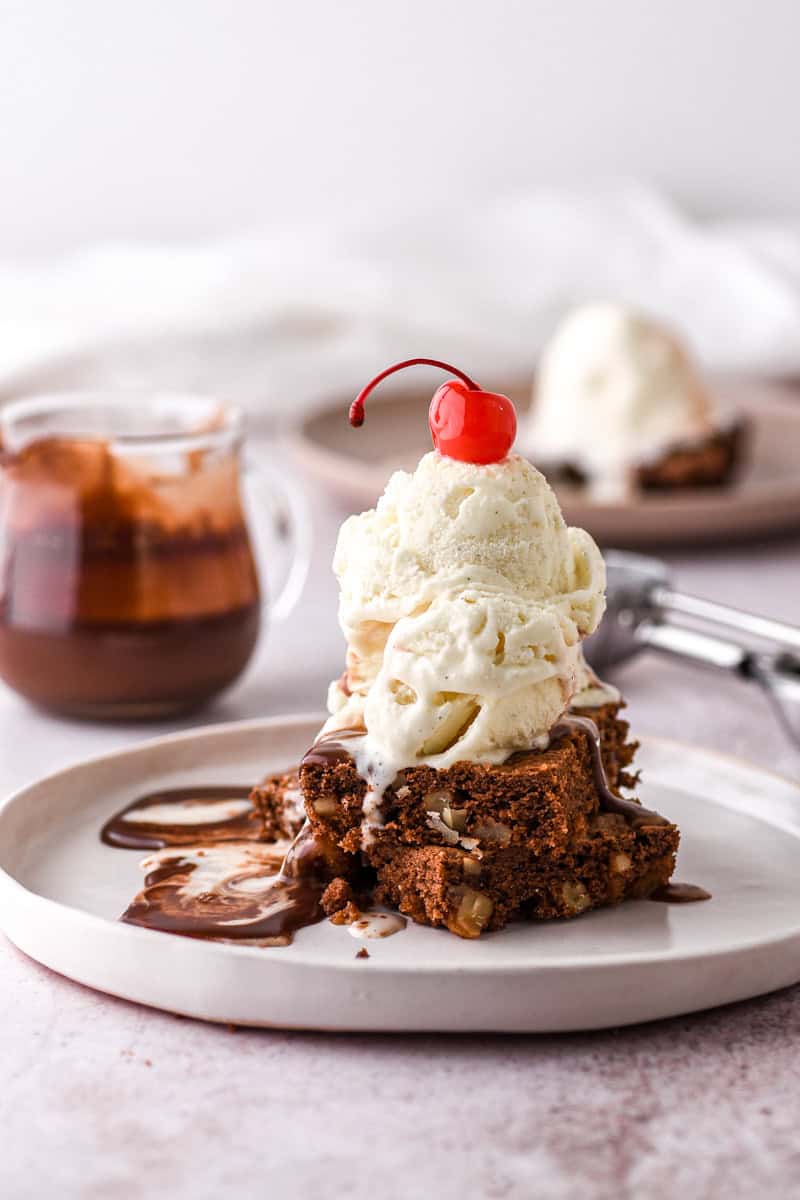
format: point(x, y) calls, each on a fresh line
point(128, 586)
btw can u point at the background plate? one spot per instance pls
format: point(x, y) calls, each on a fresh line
point(61, 890)
point(764, 498)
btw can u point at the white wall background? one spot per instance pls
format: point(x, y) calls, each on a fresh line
point(184, 118)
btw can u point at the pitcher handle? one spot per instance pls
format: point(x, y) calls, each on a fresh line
point(291, 534)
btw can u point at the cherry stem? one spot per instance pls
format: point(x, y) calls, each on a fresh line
point(357, 407)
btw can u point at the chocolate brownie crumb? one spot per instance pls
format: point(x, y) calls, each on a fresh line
point(347, 915)
point(336, 897)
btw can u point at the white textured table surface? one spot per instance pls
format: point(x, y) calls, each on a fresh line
point(99, 1098)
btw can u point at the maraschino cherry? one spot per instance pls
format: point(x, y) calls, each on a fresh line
point(466, 423)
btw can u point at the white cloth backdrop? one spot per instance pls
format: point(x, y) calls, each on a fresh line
point(269, 318)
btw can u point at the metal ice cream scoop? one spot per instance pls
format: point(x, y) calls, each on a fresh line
point(645, 613)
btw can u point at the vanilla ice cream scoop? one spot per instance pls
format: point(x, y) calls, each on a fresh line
point(464, 601)
point(614, 390)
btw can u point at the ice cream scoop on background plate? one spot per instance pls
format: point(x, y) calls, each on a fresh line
point(619, 406)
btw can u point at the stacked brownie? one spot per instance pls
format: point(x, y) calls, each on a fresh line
point(473, 846)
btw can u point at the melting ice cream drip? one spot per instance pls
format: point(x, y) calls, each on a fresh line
point(375, 924)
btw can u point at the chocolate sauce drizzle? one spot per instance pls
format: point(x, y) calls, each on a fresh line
point(331, 748)
point(634, 813)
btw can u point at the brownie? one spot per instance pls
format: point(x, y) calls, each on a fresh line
point(707, 463)
point(473, 845)
point(279, 801)
point(611, 862)
point(541, 797)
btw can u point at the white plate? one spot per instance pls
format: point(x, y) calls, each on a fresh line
point(764, 498)
point(61, 890)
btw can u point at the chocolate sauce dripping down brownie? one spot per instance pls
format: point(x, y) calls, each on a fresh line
point(635, 813)
point(331, 747)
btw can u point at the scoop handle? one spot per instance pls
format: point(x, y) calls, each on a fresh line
point(665, 600)
point(694, 646)
point(777, 673)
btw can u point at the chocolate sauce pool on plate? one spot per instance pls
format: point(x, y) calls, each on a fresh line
point(680, 893)
point(232, 892)
point(211, 876)
point(184, 817)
